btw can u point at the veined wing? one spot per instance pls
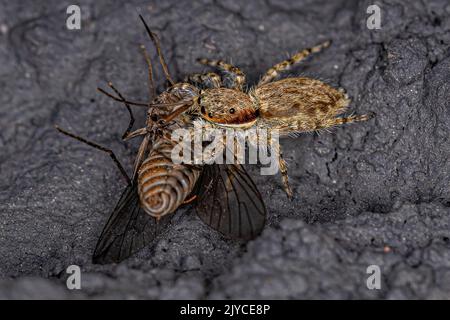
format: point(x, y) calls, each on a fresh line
point(128, 229)
point(229, 201)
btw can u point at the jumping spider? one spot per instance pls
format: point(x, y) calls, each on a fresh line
point(290, 105)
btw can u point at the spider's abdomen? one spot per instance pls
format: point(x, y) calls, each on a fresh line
point(163, 185)
point(301, 100)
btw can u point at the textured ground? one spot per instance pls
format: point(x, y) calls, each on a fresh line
point(369, 193)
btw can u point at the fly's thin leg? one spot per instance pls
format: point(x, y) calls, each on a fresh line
point(238, 77)
point(131, 123)
point(176, 113)
point(191, 199)
point(99, 147)
point(140, 155)
point(136, 133)
point(151, 84)
point(208, 80)
point(284, 176)
point(157, 45)
point(133, 103)
point(273, 72)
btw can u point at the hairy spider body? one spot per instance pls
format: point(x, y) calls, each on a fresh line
point(299, 105)
point(290, 105)
point(226, 106)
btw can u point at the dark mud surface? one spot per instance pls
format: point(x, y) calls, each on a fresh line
point(373, 193)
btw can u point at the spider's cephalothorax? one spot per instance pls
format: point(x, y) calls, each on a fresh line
point(290, 105)
point(227, 107)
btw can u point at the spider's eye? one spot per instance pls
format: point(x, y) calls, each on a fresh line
point(210, 115)
point(232, 110)
point(203, 110)
point(154, 117)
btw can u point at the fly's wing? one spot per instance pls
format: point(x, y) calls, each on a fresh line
point(128, 229)
point(229, 201)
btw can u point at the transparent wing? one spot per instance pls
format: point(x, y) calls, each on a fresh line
point(128, 229)
point(229, 201)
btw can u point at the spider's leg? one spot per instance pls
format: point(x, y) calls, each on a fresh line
point(284, 173)
point(273, 72)
point(99, 147)
point(237, 76)
point(338, 121)
point(312, 125)
point(208, 80)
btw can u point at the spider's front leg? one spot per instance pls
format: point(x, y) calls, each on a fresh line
point(273, 72)
point(237, 76)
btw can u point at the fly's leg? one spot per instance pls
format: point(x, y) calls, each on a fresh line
point(99, 147)
point(273, 72)
point(157, 45)
point(191, 199)
point(130, 124)
point(237, 76)
point(208, 80)
point(141, 154)
point(136, 133)
point(133, 103)
point(127, 134)
point(151, 84)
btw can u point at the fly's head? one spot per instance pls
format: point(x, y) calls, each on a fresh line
point(227, 107)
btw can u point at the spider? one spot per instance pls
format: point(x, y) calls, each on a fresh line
point(290, 105)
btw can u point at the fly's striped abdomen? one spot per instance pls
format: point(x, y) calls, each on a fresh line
point(163, 185)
